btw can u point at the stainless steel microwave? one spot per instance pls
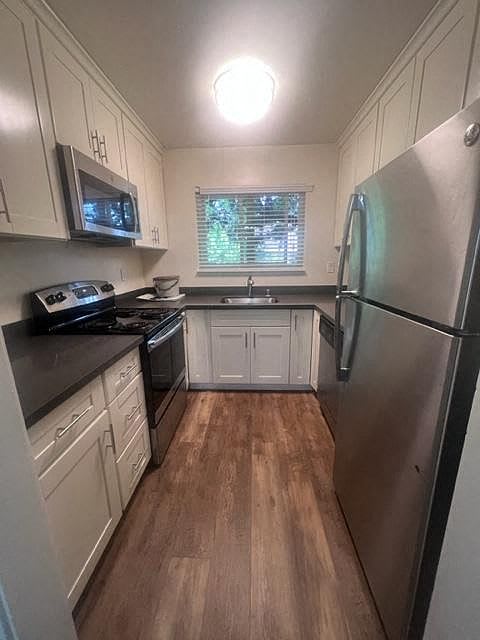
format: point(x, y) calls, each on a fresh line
point(100, 204)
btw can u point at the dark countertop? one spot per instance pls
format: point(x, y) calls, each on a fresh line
point(50, 368)
point(325, 303)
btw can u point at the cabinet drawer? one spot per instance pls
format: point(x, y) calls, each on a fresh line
point(119, 375)
point(250, 318)
point(133, 461)
point(54, 433)
point(127, 412)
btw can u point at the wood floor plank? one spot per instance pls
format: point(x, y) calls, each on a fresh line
point(227, 610)
point(181, 600)
point(238, 536)
point(274, 612)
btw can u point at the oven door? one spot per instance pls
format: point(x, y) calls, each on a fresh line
point(165, 368)
point(99, 202)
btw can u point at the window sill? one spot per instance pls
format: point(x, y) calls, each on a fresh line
point(280, 271)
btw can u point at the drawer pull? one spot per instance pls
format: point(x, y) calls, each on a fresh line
point(128, 370)
point(133, 412)
point(139, 461)
point(75, 418)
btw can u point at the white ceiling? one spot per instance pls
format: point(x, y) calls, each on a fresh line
point(163, 55)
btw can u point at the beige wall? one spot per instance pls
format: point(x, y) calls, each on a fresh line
point(27, 265)
point(303, 164)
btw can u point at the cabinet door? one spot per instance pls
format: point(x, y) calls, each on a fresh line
point(345, 186)
point(156, 197)
point(394, 117)
point(135, 161)
point(315, 350)
point(108, 123)
point(27, 204)
point(365, 136)
point(301, 346)
point(231, 355)
point(270, 355)
point(69, 93)
point(198, 346)
point(83, 503)
point(442, 69)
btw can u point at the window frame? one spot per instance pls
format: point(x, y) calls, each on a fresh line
point(232, 269)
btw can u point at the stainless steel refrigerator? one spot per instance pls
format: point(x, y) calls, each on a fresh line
point(409, 361)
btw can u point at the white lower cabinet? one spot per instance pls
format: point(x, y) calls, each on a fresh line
point(231, 355)
point(267, 348)
point(131, 464)
point(199, 360)
point(82, 499)
point(270, 355)
point(301, 346)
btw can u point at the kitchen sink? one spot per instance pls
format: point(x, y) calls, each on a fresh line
point(249, 300)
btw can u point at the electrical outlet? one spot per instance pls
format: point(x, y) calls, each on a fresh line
point(123, 274)
point(331, 267)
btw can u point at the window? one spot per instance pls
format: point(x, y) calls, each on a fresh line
point(263, 229)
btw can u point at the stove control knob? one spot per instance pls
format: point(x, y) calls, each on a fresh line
point(60, 296)
point(50, 299)
point(107, 287)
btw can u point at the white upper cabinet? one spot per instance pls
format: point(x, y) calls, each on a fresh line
point(69, 94)
point(442, 69)
point(345, 185)
point(394, 117)
point(156, 197)
point(365, 146)
point(356, 162)
point(144, 170)
point(108, 129)
point(28, 181)
point(424, 87)
point(84, 115)
point(135, 162)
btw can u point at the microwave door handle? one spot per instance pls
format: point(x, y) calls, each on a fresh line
point(133, 200)
point(156, 342)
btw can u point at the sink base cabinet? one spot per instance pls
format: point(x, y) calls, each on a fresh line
point(231, 355)
point(82, 500)
point(249, 349)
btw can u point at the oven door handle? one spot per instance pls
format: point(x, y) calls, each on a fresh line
point(167, 333)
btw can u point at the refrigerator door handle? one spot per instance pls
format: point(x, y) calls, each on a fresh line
point(342, 372)
point(355, 205)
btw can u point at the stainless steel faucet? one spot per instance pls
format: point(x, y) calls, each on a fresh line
point(250, 283)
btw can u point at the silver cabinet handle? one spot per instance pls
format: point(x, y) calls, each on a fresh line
point(133, 412)
point(254, 339)
point(124, 374)
point(75, 418)
point(95, 145)
point(103, 155)
point(5, 205)
point(246, 340)
point(295, 321)
point(139, 461)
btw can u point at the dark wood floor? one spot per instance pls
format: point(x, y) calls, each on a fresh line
point(237, 536)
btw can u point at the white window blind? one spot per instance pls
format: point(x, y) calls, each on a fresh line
point(259, 228)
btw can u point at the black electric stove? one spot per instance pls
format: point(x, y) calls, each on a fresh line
point(89, 307)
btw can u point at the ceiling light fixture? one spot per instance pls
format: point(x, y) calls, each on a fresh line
point(244, 90)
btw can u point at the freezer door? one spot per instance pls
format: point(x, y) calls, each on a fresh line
point(386, 449)
point(414, 244)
